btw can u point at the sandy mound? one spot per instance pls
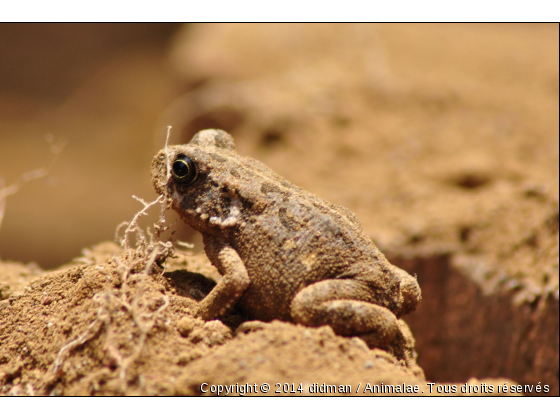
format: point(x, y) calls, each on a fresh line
point(109, 328)
point(443, 139)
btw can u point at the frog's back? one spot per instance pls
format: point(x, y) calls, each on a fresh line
point(291, 238)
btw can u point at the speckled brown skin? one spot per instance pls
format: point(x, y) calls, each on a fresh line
point(283, 252)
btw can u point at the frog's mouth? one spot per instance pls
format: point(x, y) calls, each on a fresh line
point(208, 211)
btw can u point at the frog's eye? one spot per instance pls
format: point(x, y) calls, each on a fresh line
point(184, 170)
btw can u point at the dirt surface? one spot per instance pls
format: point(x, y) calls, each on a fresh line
point(442, 139)
point(111, 327)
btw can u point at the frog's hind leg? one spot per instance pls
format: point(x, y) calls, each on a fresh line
point(346, 306)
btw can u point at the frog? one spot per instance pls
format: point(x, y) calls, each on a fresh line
point(283, 253)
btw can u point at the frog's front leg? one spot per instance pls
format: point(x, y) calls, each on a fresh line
point(339, 303)
point(231, 287)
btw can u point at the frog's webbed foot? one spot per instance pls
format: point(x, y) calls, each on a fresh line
point(338, 303)
point(231, 287)
point(251, 326)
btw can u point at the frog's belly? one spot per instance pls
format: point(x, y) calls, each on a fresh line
point(280, 263)
point(269, 299)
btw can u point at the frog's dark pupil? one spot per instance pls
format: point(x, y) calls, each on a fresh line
point(180, 168)
point(184, 170)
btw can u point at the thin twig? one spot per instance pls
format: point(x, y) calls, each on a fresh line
point(133, 267)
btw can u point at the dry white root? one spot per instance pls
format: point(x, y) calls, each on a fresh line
point(133, 268)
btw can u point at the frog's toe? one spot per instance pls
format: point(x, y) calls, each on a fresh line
point(251, 326)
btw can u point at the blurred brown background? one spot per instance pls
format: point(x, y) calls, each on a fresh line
point(442, 138)
point(98, 87)
point(400, 123)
